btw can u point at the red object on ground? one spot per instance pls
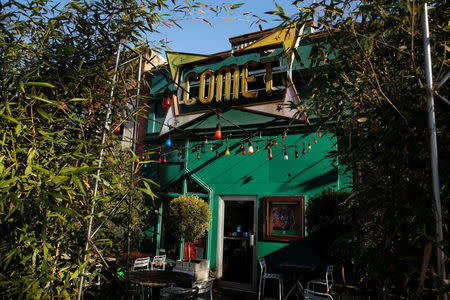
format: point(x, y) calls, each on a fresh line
point(193, 250)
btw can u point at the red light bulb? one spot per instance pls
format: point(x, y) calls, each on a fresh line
point(218, 134)
point(117, 128)
point(167, 99)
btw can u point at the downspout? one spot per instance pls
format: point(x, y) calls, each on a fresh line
point(158, 229)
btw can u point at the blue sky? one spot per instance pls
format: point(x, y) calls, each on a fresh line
point(199, 37)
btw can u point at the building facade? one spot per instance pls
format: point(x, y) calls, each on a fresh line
point(258, 174)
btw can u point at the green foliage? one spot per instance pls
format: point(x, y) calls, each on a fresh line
point(189, 218)
point(330, 220)
point(328, 211)
point(377, 102)
point(56, 61)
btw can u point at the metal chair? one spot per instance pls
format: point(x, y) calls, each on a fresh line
point(327, 282)
point(264, 275)
point(141, 263)
point(158, 263)
point(204, 287)
point(178, 293)
point(312, 295)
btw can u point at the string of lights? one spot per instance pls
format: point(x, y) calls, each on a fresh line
point(215, 145)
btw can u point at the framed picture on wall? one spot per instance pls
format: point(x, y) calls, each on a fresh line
point(284, 218)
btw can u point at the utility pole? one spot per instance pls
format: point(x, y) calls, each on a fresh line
point(433, 148)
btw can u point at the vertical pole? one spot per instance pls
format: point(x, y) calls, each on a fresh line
point(97, 179)
point(133, 163)
point(158, 228)
point(433, 147)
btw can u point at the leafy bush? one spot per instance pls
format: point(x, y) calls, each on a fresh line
point(189, 218)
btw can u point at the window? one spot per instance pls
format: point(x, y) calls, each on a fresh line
point(284, 218)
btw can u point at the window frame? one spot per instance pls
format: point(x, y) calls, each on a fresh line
point(268, 220)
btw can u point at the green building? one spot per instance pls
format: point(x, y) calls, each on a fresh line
point(270, 159)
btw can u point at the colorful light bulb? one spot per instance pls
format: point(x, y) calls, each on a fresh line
point(159, 159)
point(242, 146)
point(168, 142)
point(164, 160)
point(167, 99)
point(198, 155)
point(309, 146)
point(270, 154)
point(320, 134)
point(243, 152)
point(296, 153)
point(315, 141)
point(257, 148)
point(250, 147)
point(227, 152)
point(276, 142)
point(179, 156)
point(218, 134)
point(117, 127)
point(210, 148)
point(206, 141)
point(304, 151)
point(286, 157)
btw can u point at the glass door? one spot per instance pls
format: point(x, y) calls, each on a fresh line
point(238, 242)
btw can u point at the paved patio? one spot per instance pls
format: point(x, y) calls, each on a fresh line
point(226, 294)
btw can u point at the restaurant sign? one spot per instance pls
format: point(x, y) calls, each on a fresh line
point(232, 85)
point(254, 78)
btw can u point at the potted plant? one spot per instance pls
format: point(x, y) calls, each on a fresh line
point(189, 219)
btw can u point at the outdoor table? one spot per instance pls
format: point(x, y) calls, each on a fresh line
point(158, 279)
point(299, 270)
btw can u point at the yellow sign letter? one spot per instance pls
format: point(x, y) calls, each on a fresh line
point(187, 100)
point(246, 79)
point(210, 96)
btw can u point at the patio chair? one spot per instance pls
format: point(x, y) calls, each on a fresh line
point(175, 292)
point(312, 295)
point(327, 282)
point(264, 275)
point(158, 263)
point(141, 263)
point(187, 270)
point(204, 287)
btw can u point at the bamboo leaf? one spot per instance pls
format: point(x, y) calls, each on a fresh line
point(40, 84)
